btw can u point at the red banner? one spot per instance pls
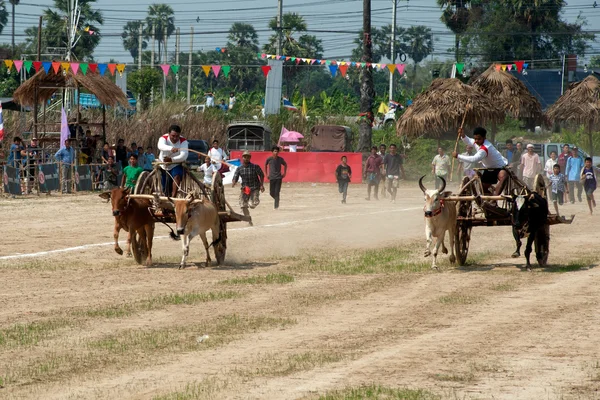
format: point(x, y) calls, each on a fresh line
point(310, 167)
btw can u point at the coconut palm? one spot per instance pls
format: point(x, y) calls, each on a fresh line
point(131, 38)
point(3, 15)
point(456, 17)
point(303, 46)
point(243, 35)
point(418, 43)
point(161, 18)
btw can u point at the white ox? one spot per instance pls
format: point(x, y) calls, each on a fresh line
point(440, 216)
point(195, 217)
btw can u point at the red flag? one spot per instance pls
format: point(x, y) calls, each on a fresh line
point(37, 65)
point(56, 67)
point(519, 65)
point(111, 68)
point(93, 67)
point(343, 69)
point(265, 69)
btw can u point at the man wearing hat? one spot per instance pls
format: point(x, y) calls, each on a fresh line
point(252, 183)
point(531, 166)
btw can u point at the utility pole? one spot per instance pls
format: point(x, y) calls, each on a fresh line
point(280, 27)
point(153, 29)
point(140, 47)
point(189, 86)
point(164, 62)
point(35, 95)
point(366, 83)
point(393, 47)
point(177, 62)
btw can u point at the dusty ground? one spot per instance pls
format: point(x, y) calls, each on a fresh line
point(315, 297)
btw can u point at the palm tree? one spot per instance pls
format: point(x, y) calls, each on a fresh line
point(131, 38)
point(456, 17)
point(13, 3)
point(304, 46)
point(3, 15)
point(418, 43)
point(243, 35)
point(160, 18)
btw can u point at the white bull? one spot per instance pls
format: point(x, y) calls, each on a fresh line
point(440, 216)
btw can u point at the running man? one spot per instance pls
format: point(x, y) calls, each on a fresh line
point(392, 163)
point(273, 170)
point(252, 183)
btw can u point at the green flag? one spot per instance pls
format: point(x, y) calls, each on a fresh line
point(175, 68)
point(460, 67)
point(226, 69)
point(28, 65)
point(83, 67)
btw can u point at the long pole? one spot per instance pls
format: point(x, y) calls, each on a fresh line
point(189, 83)
point(562, 82)
point(35, 95)
point(13, 30)
point(164, 97)
point(280, 27)
point(367, 90)
point(177, 62)
point(153, 29)
point(140, 47)
point(393, 47)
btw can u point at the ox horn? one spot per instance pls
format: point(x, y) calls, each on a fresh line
point(441, 190)
point(423, 189)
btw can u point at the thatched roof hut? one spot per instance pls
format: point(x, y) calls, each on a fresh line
point(508, 92)
point(103, 88)
point(443, 105)
point(580, 105)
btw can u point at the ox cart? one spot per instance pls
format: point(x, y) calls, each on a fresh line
point(473, 210)
point(150, 186)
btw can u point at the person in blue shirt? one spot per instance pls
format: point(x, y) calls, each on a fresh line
point(573, 173)
point(14, 156)
point(149, 158)
point(66, 156)
point(223, 106)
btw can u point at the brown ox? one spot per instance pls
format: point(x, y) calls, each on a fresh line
point(439, 218)
point(195, 217)
point(133, 216)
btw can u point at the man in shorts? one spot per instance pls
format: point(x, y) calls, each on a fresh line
point(392, 163)
point(173, 151)
point(489, 157)
point(381, 153)
point(252, 183)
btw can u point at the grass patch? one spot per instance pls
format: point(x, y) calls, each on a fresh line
point(466, 377)
point(504, 287)
point(274, 365)
point(197, 390)
point(270, 279)
point(30, 334)
point(575, 265)
point(378, 261)
point(377, 392)
point(458, 298)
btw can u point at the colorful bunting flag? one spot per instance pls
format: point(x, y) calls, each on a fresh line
point(216, 69)
point(175, 68)
point(392, 68)
point(383, 66)
point(101, 68)
point(265, 69)
point(503, 67)
point(112, 68)
point(206, 69)
point(460, 67)
point(509, 67)
point(94, 67)
point(47, 65)
point(525, 65)
point(327, 62)
point(343, 69)
point(121, 68)
point(65, 66)
point(56, 67)
point(18, 64)
point(1, 124)
point(165, 68)
point(400, 68)
point(226, 69)
point(8, 63)
point(37, 65)
point(519, 65)
point(84, 68)
point(28, 64)
point(75, 68)
point(333, 69)
point(498, 67)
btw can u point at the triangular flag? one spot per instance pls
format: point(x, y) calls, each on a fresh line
point(323, 62)
point(8, 63)
point(312, 61)
point(333, 69)
point(503, 67)
point(382, 66)
point(498, 67)
point(75, 68)
point(287, 58)
point(112, 68)
point(165, 68)
point(328, 62)
point(363, 64)
point(206, 69)
point(352, 64)
point(460, 67)
point(83, 67)
point(56, 67)
point(368, 65)
point(65, 66)
point(265, 69)
point(263, 56)
point(293, 58)
point(47, 65)
point(121, 68)
point(519, 65)
point(94, 67)
point(216, 69)
point(343, 69)
point(400, 68)
point(525, 65)
point(392, 68)
point(28, 65)
point(318, 61)
point(175, 68)
point(18, 65)
point(37, 65)
point(509, 66)
point(297, 61)
point(226, 69)
point(101, 68)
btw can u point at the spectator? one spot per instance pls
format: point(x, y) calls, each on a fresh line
point(111, 174)
point(217, 155)
point(564, 156)
point(372, 172)
point(223, 106)
point(149, 158)
point(558, 186)
point(107, 152)
point(252, 183)
point(15, 152)
point(66, 156)
point(588, 178)
point(121, 153)
point(509, 151)
point(530, 166)
point(273, 171)
point(208, 168)
point(133, 149)
point(343, 175)
point(393, 165)
point(131, 173)
point(33, 158)
point(549, 167)
point(231, 100)
point(466, 168)
point(210, 100)
point(441, 165)
point(573, 173)
point(517, 160)
point(381, 153)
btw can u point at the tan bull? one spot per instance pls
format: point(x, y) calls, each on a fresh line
point(195, 217)
point(440, 216)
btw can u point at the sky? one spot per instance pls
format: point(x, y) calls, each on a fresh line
point(342, 19)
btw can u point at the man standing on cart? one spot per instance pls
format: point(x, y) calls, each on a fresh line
point(490, 158)
point(173, 150)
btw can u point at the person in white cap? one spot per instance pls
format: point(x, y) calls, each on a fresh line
point(531, 166)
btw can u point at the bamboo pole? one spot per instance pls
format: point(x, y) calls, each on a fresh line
point(462, 124)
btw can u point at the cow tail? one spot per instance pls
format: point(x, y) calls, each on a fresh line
point(218, 239)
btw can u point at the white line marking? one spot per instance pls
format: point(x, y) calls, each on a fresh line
point(90, 246)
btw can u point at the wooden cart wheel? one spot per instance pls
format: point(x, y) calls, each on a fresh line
point(149, 182)
point(462, 235)
point(138, 248)
point(139, 185)
point(218, 199)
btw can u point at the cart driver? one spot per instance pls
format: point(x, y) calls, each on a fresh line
point(173, 148)
point(489, 156)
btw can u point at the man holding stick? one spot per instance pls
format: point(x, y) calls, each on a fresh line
point(173, 151)
point(488, 155)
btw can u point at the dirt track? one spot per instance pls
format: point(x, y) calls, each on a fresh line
point(87, 323)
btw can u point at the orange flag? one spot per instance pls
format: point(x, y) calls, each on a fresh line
point(65, 66)
point(206, 69)
point(9, 64)
point(392, 68)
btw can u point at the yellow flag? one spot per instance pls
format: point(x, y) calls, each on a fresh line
point(304, 107)
point(391, 67)
point(65, 66)
point(9, 64)
point(121, 68)
point(206, 69)
point(383, 108)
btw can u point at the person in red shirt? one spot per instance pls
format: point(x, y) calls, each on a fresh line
point(372, 173)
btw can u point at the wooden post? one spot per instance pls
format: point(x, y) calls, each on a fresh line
point(104, 123)
point(35, 95)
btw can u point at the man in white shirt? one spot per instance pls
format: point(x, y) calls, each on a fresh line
point(208, 168)
point(217, 155)
point(210, 100)
point(173, 150)
point(488, 156)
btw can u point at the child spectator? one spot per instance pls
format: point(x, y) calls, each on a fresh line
point(343, 174)
point(149, 158)
point(558, 187)
point(588, 179)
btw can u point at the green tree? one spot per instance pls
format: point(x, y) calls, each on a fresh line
point(142, 82)
point(131, 38)
point(418, 43)
point(242, 46)
point(3, 15)
point(456, 15)
point(307, 46)
point(242, 35)
point(160, 18)
point(382, 41)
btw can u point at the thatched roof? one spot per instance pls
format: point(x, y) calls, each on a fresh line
point(103, 88)
point(580, 105)
point(509, 93)
point(442, 106)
